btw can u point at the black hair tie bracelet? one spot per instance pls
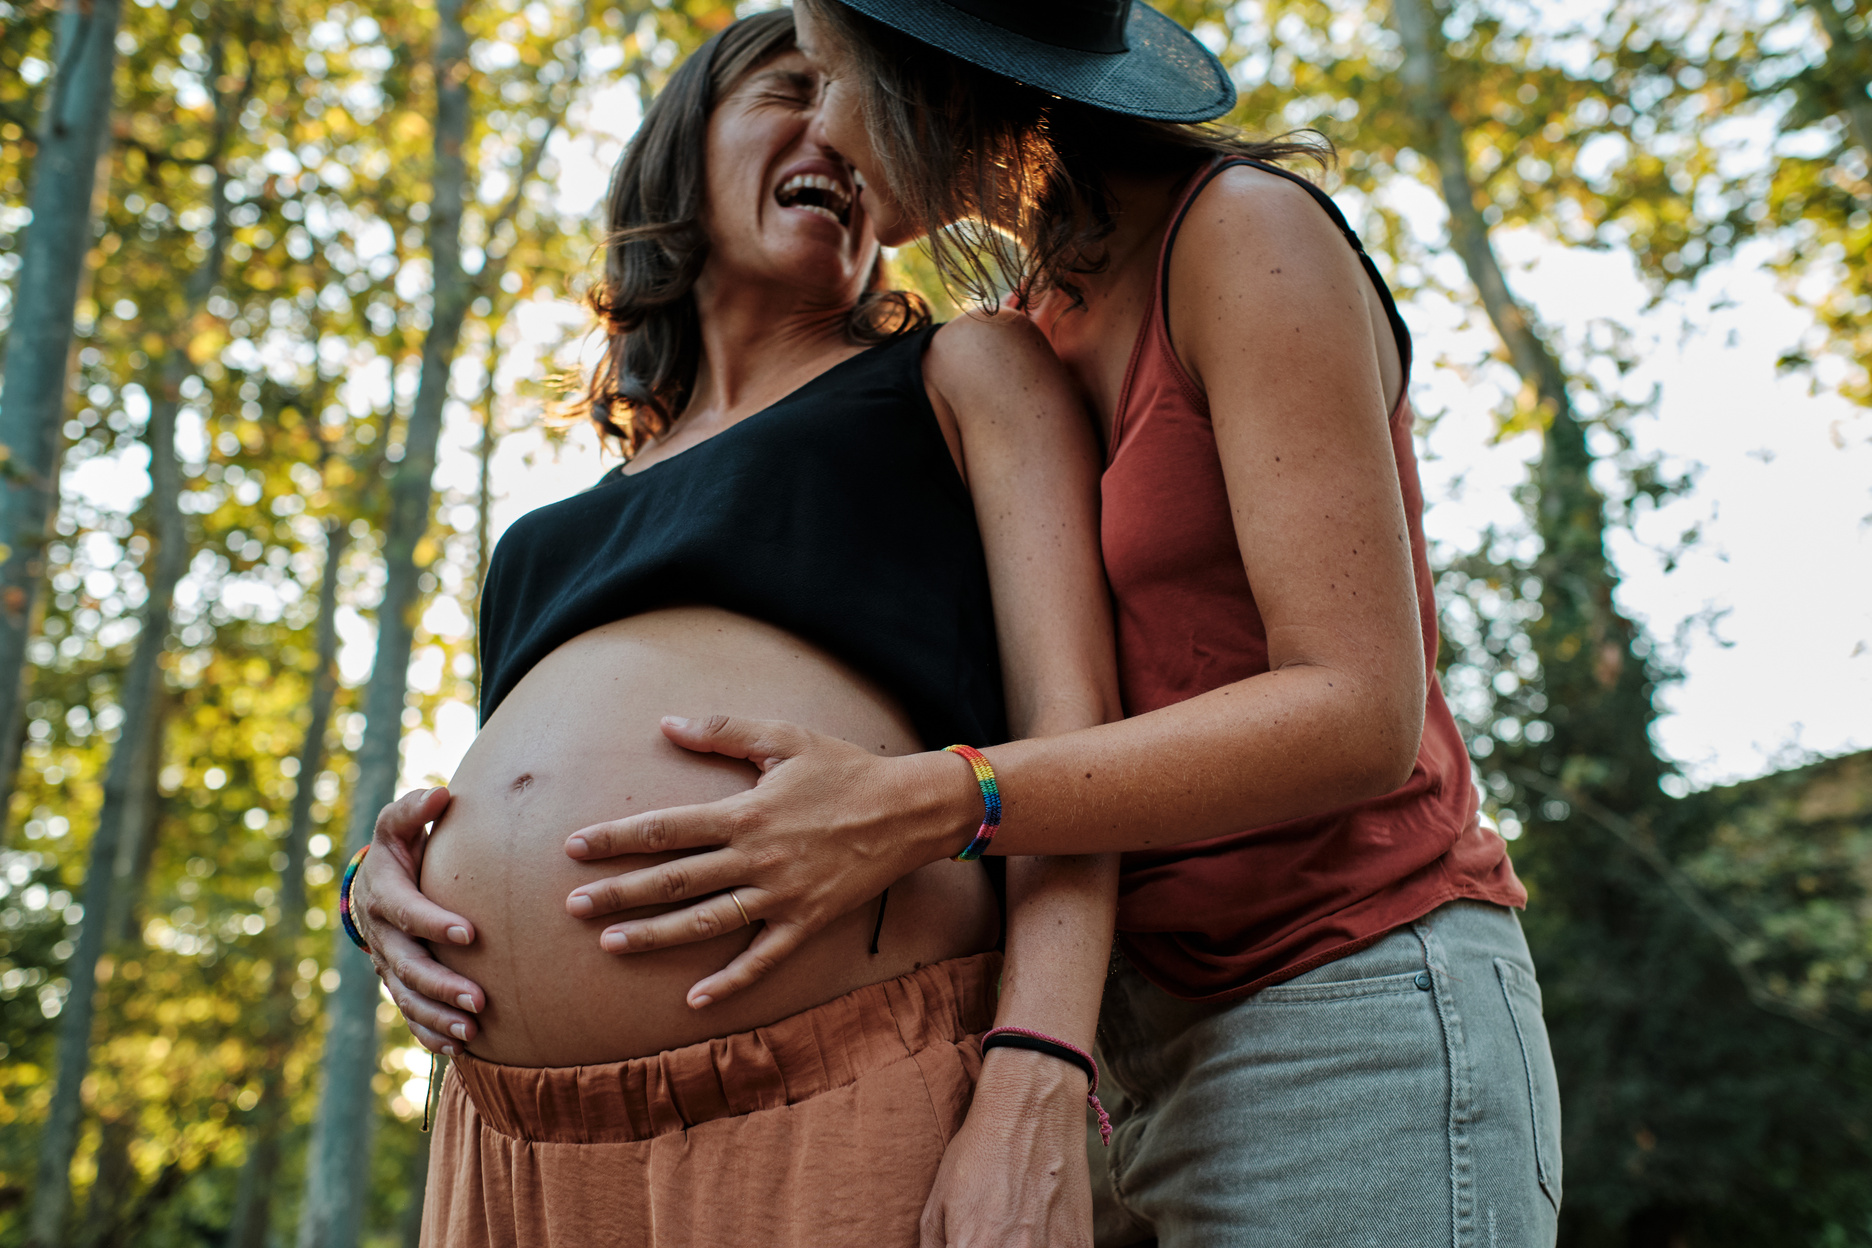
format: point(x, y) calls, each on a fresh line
point(1039, 1042)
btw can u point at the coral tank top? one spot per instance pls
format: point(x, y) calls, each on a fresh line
point(1219, 919)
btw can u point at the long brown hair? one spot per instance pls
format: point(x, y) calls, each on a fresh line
point(961, 144)
point(655, 246)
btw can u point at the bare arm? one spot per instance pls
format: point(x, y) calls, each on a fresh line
point(1269, 313)
point(1016, 1173)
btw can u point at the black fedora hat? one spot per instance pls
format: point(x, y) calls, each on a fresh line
point(1118, 55)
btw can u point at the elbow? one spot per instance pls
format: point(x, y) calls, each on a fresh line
point(1391, 735)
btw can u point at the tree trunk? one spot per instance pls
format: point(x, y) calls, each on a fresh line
point(124, 775)
point(142, 814)
point(111, 873)
point(338, 1171)
point(418, 1180)
point(1598, 690)
point(38, 352)
point(253, 1203)
point(116, 1176)
point(484, 520)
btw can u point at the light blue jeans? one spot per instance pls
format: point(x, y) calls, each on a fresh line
point(1403, 1096)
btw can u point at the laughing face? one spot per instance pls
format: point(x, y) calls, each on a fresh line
point(781, 204)
point(841, 123)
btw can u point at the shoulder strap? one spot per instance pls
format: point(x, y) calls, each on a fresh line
point(1398, 328)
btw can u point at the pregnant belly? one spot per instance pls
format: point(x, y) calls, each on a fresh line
point(576, 742)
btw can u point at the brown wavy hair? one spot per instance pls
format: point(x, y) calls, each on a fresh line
point(1023, 171)
point(655, 247)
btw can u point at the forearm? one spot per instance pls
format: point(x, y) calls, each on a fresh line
point(1059, 932)
point(1278, 746)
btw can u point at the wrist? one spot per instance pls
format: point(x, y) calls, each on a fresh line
point(1021, 1081)
point(947, 801)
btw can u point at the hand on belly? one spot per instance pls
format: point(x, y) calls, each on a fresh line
point(577, 743)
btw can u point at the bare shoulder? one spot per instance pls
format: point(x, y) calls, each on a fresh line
point(976, 355)
point(1247, 216)
point(1004, 398)
point(1258, 260)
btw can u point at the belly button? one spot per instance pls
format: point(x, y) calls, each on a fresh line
point(523, 783)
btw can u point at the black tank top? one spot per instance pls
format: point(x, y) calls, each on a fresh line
point(836, 514)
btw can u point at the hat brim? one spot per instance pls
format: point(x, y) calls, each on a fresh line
point(1164, 75)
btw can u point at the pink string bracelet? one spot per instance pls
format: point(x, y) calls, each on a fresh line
point(1072, 1054)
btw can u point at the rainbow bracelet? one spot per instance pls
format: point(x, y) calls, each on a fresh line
point(991, 801)
point(344, 899)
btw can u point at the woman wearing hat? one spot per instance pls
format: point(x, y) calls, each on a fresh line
point(1324, 1026)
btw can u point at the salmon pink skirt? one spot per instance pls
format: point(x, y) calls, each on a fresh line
point(826, 1128)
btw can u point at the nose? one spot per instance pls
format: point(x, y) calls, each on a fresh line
point(816, 132)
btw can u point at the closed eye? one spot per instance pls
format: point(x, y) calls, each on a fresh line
point(786, 87)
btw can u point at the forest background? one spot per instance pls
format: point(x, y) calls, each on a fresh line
point(266, 264)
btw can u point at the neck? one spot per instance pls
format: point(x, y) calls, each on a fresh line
point(1143, 207)
point(759, 343)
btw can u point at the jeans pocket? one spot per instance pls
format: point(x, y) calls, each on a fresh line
point(1303, 991)
point(1522, 993)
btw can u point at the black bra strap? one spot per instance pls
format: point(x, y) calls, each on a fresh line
point(1325, 201)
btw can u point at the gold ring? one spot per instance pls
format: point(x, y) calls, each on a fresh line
point(745, 921)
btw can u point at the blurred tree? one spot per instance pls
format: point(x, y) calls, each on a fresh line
point(340, 1162)
point(69, 142)
point(129, 779)
point(253, 1204)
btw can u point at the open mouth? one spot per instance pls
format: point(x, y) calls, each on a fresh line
point(816, 193)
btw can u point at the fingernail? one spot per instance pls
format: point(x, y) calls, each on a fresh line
point(614, 942)
point(697, 1003)
point(578, 847)
point(467, 1003)
point(579, 906)
point(459, 1031)
point(675, 721)
point(451, 1050)
point(458, 934)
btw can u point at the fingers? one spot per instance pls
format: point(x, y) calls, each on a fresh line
point(405, 818)
point(707, 919)
point(421, 988)
point(930, 1226)
point(762, 742)
point(658, 831)
point(390, 898)
point(412, 963)
point(661, 885)
point(434, 1043)
point(772, 946)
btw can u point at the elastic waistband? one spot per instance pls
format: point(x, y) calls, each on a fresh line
point(829, 1046)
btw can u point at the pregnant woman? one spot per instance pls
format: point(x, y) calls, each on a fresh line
point(1326, 1027)
point(831, 513)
